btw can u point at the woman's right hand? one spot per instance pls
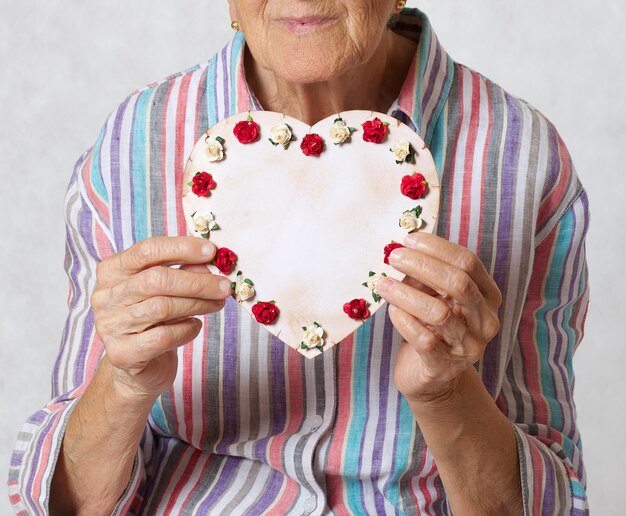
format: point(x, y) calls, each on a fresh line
point(143, 309)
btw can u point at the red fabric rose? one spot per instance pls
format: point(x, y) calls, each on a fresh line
point(389, 248)
point(265, 312)
point(202, 184)
point(312, 145)
point(375, 131)
point(414, 186)
point(357, 309)
point(246, 131)
point(225, 259)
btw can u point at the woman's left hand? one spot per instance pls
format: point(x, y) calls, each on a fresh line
point(446, 309)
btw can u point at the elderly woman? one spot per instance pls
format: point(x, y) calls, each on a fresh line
point(455, 397)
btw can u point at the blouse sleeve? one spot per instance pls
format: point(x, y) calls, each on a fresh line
point(88, 241)
point(537, 393)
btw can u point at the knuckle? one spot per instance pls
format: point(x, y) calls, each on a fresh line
point(440, 312)
point(470, 263)
point(492, 327)
point(463, 285)
point(101, 271)
point(145, 251)
point(153, 279)
point(429, 342)
point(157, 338)
point(158, 308)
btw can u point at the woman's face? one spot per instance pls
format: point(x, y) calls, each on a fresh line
point(307, 41)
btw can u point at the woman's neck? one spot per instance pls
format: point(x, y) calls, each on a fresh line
point(373, 85)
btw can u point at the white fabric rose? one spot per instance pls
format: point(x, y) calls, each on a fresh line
point(214, 149)
point(313, 336)
point(373, 281)
point(243, 290)
point(203, 222)
point(281, 134)
point(401, 150)
point(339, 132)
point(410, 221)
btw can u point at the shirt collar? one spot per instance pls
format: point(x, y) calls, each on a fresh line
point(423, 94)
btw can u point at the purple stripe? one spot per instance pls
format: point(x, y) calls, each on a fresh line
point(507, 203)
point(269, 495)
point(278, 397)
point(229, 377)
point(231, 466)
point(549, 495)
point(381, 428)
point(114, 157)
point(432, 79)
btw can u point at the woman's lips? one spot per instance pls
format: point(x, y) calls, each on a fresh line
point(304, 24)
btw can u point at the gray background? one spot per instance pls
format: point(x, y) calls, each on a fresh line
point(66, 65)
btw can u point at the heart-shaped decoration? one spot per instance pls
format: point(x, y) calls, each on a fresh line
point(302, 215)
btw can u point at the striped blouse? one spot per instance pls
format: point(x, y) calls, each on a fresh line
point(249, 425)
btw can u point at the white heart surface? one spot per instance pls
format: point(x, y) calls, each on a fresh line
point(307, 230)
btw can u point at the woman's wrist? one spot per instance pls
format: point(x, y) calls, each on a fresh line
point(124, 391)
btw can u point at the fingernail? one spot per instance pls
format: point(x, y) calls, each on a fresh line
point(396, 256)
point(224, 286)
point(208, 249)
point(384, 284)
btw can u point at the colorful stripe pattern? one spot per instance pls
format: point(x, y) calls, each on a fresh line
point(251, 427)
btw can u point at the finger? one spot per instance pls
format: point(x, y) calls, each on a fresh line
point(133, 352)
point(431, 350)
point(447, 280)
point(457, 256)
point(412, 282)
point(431, 311)
point(166, 281)
point(426, 339)
point(154, 251)
point(159, 309)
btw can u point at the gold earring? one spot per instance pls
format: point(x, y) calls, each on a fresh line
point(400, 4)
point(234, 25)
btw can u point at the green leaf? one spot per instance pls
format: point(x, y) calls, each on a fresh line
point(249, 119)
point(286, 145)
point(321, 347)
point(190, 183)
point(215, 226)
point(249, 282)
point(304, 328)
point(364, 284)
point(204, 235)
point(376, 297)
point(383, 274)
point(220, 139)
point(194, 214)
point(233, 285)
point(386, 124)
point(398, 162)
point(239, 273)
point(272, 301)
point(337, 120)
point(351, 129)
point(316, 323)
point(303, 345)
point(272, 142)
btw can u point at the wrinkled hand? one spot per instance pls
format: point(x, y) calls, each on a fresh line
point(446, 309)
point(143, 309)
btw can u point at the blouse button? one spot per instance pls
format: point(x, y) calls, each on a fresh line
point(310, 504)
point(315, 422)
